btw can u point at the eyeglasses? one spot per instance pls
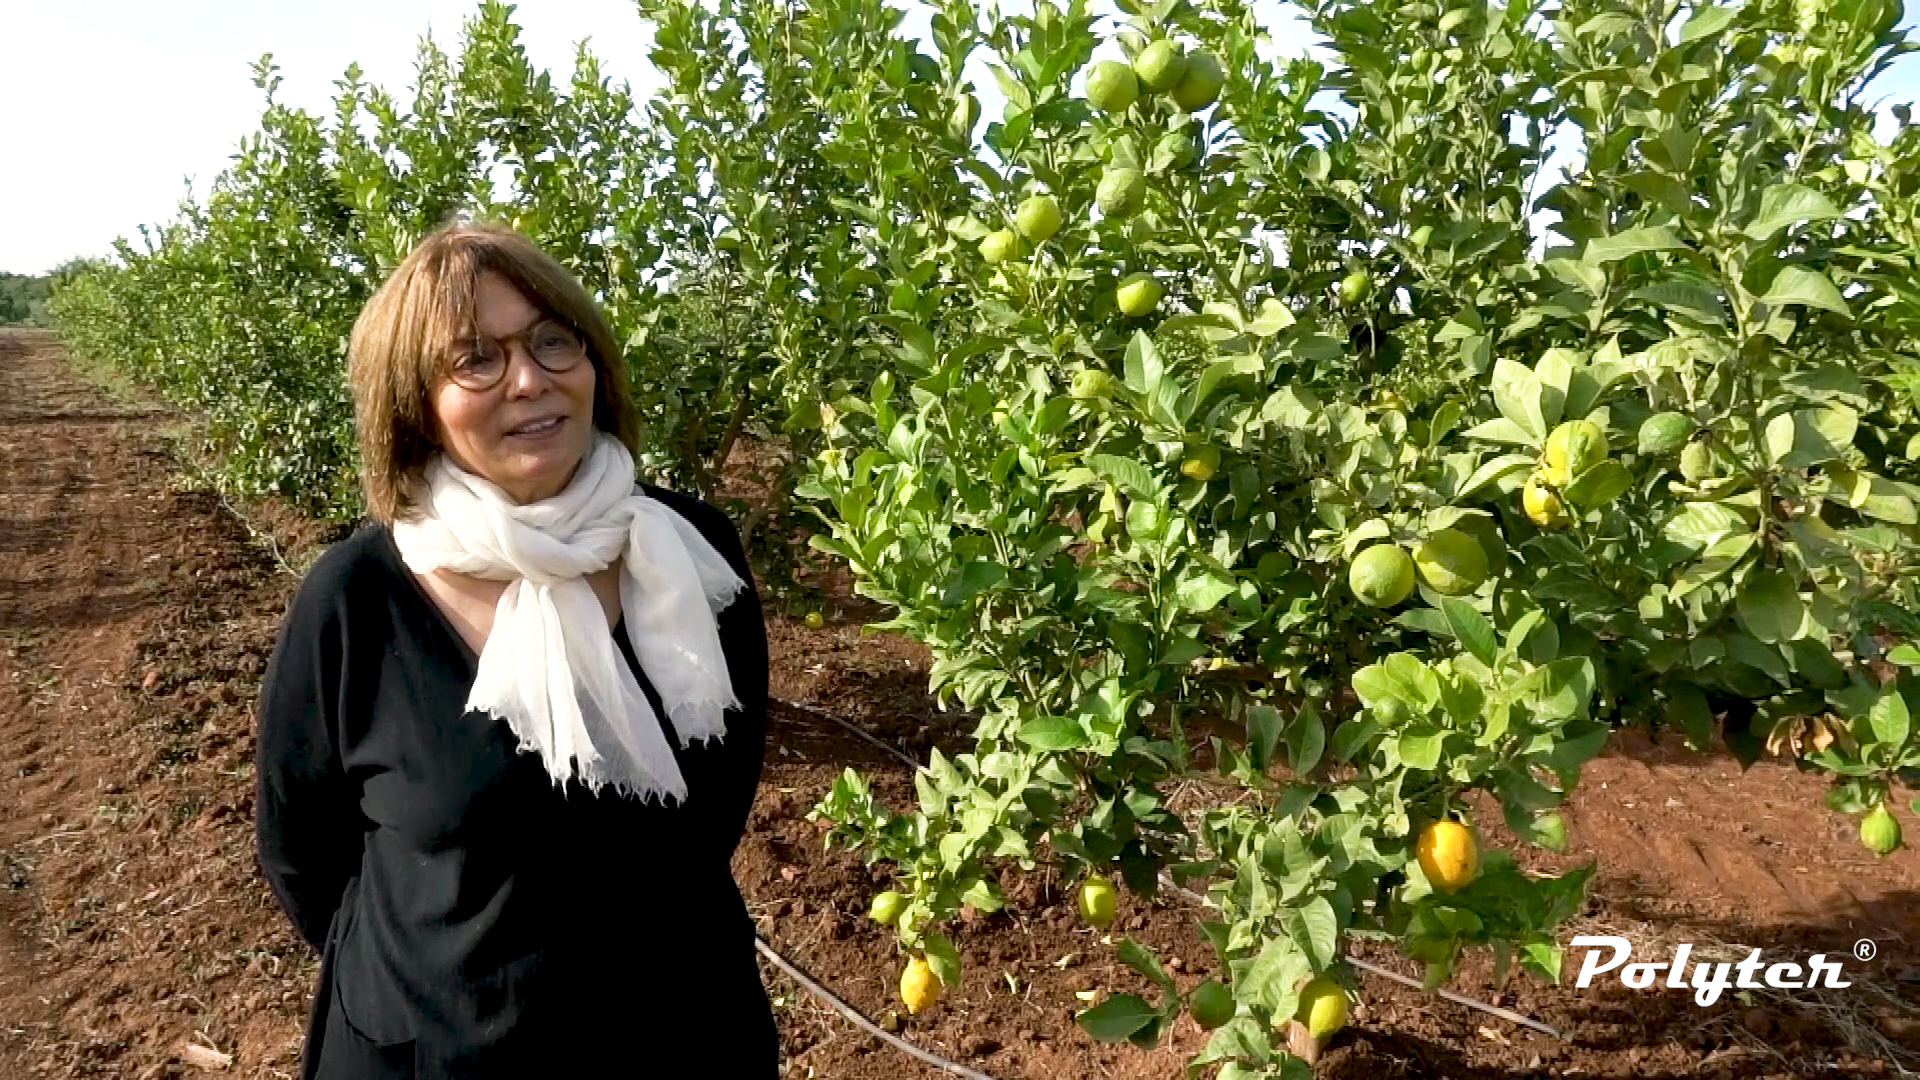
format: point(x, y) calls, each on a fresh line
point(482, 363)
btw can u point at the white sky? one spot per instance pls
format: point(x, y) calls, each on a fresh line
point(115, 104)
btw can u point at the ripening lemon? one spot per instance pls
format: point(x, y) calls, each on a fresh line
point(1112, 86)
point(1137, 295)
point(1381, 575)
point(1089, 384)
point(1202, 463)
point(887, 907)
point(1121, 193)
point(999, 246)
point(919, 988)
point(815, 620)
point(1543, 507)
point(1200, 83)
point(1098, 900)
point(1038, 218)
point(1696, 462)
point(1212, 1004)
point(1323, 1007)
point(1573, 448)
point(1160, 65)
point(1448, 854)
point(1355, 287)
point(1451, 562)
point(1879, 831)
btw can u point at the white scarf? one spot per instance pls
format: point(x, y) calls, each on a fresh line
point(550, 667)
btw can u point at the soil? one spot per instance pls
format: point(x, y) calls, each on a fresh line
point(136, 939)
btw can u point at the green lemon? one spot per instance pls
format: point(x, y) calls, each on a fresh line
point(1200, 84)
point(1573, 448)
point(1038, 218)
point(1160, 65)
point(999, 246)
point(815, 620)
point(1112, 86)
point(1121, 192)
point(1696, 462)
point(1355, 287)
point(1178, 148)
point(1212, 1004)
point(1091, 384)
point(1451, 562)
point(1381, 575)
point(1879, 831)
point(1662, 433)
point(887, 907)
point(1138, 294)
point(1550, 831)
point(1098, 900)
point(1323, 1007)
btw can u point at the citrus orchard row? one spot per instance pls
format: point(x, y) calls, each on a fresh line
point(1201, 426)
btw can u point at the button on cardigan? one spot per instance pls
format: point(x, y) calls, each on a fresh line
point(475, 919)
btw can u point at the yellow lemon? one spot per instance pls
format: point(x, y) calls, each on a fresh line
point(1448, 854)
point(1323, 1007)
point(1543, 507)
point(919, 988)
point(1451, 561)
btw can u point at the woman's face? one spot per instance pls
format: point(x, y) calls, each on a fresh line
point(496, 433)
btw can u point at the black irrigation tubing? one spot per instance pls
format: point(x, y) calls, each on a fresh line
point(1458, 999)
point(860, 1021)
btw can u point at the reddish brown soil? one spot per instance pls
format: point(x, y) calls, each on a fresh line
point(135, 619)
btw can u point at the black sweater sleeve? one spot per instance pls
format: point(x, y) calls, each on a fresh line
point(303, 806)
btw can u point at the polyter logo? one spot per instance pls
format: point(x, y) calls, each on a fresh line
point(1709, 978)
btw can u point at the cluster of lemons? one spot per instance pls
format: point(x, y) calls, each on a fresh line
point(1449, 856)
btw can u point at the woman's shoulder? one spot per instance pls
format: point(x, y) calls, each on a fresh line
point(712, 522)
point(362, 562)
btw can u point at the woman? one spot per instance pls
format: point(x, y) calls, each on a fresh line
point(512, 726)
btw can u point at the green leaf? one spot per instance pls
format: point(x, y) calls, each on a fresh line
point(1784, 205)
point(1272, 980)
point(1263, 734)
point(1504, 430)
point(1599, 485)
point(1420, 746)
point(1471, 629)
point(1890, 720)
point(1516, 392)
point(1141, 959)
point(1118, 1017)
point(1631, 242)
point(1306, 739)
point(1770, 607)
point(943, 959)
point(1054, 733)
point(1810, 288)
point(1316, 929)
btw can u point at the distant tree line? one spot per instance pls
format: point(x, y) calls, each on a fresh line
point(23, 299)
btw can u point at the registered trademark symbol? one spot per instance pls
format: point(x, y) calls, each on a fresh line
point(1864, 949)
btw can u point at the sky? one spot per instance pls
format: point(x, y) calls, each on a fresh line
point(116, 105)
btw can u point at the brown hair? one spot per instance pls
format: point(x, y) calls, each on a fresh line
point(399, 351)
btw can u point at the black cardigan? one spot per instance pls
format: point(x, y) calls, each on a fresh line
point(462, 901)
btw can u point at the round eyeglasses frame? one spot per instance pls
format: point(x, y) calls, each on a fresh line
point(481, 366)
